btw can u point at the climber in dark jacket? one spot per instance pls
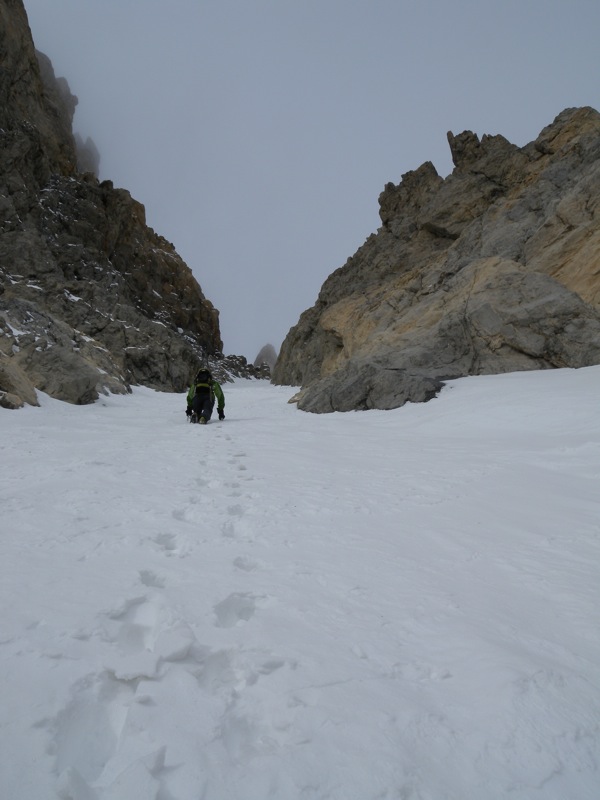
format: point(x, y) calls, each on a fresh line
point(201, 398)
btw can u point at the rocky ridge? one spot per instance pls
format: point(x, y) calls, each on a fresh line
point(494, 269)
point(91, 299)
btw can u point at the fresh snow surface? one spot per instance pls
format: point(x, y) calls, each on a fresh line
point(398, 605)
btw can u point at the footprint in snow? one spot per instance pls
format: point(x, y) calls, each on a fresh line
point(151, 579)
point(234, 609)
point(238, 528)
point(86, 733)
point(192, 513)
point(89, 732)
point(247, 564)
point(97, 730)
point(167, 541)
point(137, 621)
point(238, 608)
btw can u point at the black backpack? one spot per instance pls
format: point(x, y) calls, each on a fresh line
point(203, 382)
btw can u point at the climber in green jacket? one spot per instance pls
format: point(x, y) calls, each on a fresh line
point(201, 398)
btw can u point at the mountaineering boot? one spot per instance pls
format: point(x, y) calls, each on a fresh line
point(194, 417)
point(202, 421)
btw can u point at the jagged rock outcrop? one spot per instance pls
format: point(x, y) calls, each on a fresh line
point(494, 269)
point(91, 298)
point(88, 155)
point(267, 356)
point(224, 368)
point(63, 104)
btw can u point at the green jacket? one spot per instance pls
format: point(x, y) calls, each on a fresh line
point(215, 391)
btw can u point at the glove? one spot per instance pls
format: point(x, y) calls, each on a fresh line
point(188, 411)
point(221, 413)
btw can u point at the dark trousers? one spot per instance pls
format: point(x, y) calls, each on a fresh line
point(202, 405)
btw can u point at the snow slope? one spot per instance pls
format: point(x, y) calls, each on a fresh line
point(367, 606)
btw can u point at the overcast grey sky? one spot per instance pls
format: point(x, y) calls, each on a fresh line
point(258, 134)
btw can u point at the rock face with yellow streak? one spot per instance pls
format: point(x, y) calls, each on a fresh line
point(494, 269)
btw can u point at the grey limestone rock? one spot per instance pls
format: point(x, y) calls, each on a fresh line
point(91, 298)
point(493, 269)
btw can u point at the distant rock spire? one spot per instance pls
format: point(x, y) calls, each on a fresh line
point(88, 155)
point(267, 355)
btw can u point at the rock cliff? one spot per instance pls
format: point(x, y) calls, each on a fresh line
point(91, 298)
point(494, 269)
